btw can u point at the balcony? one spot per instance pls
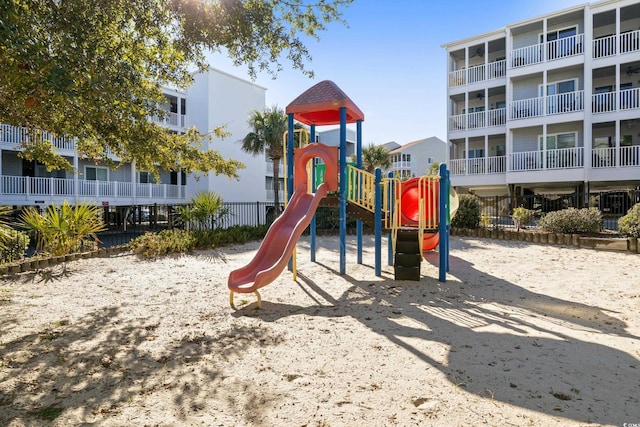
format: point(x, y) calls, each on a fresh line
point(171, 119)
point(609, 157)
point(561, 158)
point(15, 135)
point(611, 45)
point(565, 47)
point(478, 166)
point(476, 120)
point(547, 105)
point(629, 99)
point(478, 73)
point(16, 189)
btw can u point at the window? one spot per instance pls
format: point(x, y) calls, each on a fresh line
point(500, 150)
point(174, 178)
point(146, 177)
point(430, 160)
point(96, 173)
point(475, 153)
point(559, 141)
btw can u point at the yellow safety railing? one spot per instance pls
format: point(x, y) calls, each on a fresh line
point(361, 188)
point(391, 203)
point(303, 140)
point(428, 190)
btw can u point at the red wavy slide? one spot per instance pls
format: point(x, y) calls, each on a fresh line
point(278, 244)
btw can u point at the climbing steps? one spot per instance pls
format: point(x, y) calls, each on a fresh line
point(407, 257)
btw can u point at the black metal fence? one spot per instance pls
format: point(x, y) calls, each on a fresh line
point(497, 211)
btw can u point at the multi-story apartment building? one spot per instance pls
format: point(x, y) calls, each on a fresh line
point(549, 105)
point(215, 99)
point(415, 158)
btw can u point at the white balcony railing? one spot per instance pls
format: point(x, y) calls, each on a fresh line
point(15, 135)
point(608, 157)
point(549, 51)
point(478, 166)
point(630, 41)
point(565, 102)
point(476, 120)
point(458, 122)
point(171, 119)
point(548, 105)
point(478, 73)
point(611, 45)
point(527, 55)
point(497, 117)
point(562, 158)
point(480, 119)
point(604, 46)
point(565, 47)
point(526, 108)
point(83, 189)
point(628, 99)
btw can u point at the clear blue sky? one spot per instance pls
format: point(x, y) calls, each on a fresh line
point(390, 63)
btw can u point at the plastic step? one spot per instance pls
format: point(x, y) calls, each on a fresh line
point(407, 273)
point(408, 247)
point(407, 260)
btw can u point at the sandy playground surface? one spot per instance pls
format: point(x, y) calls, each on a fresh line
point(520, 334)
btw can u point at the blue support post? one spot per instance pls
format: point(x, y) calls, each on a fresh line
point(377, 222)
point(359, 166)
point(443, 208)
point(343, 190)
point(392, 196)
point(314, 186)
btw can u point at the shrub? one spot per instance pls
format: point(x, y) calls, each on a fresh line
point(15, 244)
point(468, 215)
point(153, 245)
point(572, 221)
point(64, 229)
point(521, 217)
point(629, 225)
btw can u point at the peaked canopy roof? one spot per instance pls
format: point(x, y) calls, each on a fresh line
point(321, 103)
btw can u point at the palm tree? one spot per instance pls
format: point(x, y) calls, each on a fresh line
point(267, 135)
point(434, 169)
point(64, 229)
point(375, 156)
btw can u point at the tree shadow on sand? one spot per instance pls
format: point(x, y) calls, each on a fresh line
point(500, 336)
point(96, 366)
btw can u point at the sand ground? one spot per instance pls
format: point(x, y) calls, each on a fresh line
point(520, 334)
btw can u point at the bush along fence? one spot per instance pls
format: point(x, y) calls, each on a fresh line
point(498, 211)
point(619, 244)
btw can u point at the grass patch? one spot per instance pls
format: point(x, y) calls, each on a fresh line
point(49, 413)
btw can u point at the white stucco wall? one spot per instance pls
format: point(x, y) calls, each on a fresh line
point(217, 98)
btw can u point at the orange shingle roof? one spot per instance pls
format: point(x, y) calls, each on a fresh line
point(321, 103)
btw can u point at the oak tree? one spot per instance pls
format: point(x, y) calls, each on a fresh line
point(94, 70)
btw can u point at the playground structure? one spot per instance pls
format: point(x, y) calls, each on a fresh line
point(415, 213)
